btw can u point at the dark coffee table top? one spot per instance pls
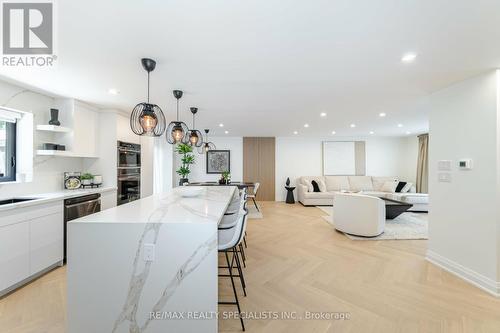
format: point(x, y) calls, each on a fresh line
point(394, 208)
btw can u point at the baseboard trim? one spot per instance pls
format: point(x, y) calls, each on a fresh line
point(490, 286)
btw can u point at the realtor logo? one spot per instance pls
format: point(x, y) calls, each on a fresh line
point(27, 28)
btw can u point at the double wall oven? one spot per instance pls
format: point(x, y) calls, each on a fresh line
point(129, 172)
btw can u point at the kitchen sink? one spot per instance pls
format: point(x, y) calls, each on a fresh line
point(15, 200)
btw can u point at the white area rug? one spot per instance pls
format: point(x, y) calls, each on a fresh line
point(253, 213)
point(405, 226)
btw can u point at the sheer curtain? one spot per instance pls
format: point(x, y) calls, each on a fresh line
point(162, 165)
point(423, 163)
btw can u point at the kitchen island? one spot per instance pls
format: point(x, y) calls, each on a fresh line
point(147, 266)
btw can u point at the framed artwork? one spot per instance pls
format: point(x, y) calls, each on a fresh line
point(218, 161)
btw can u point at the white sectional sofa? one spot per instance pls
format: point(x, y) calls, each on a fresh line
point(374, 186)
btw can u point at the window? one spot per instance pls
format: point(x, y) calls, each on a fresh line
point(7, 151)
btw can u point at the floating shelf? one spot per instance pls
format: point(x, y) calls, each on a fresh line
point(62, 153)
point(52, 128)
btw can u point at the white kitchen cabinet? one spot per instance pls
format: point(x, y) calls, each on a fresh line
point(46, 241)
point(85, 130)
point(14, 254)
point(31, 240)
point(108, 200)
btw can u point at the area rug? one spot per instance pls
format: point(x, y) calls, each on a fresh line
point(405, 226)
point(253, 213)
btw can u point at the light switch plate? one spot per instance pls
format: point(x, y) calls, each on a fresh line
point(444, 177)
point(149, 252)
point(444, 165)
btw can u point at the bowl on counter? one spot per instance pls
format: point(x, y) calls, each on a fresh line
point(189, 191)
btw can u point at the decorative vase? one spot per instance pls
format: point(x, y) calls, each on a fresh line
point(287, 181)
point(86, 181)
point(222, 181)
point(182, 181)
point(54, 115)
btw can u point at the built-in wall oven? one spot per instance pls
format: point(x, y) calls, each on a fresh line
point(129, 155)
point(129, 172)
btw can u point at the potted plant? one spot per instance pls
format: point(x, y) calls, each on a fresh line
point(225, 178)
point(187, 159)
point(86, 178)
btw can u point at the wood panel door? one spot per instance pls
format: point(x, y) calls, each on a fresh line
point(259, 165)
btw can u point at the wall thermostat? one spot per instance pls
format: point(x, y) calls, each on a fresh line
point(465, 164)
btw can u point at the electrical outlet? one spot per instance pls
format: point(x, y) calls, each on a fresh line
point(149, 252)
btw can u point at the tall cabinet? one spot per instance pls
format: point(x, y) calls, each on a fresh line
point(259, 165)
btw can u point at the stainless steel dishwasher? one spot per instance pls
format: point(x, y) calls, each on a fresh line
point(79, 207)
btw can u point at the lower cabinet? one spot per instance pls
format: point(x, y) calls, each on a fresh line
point(14, 254)
point(46, 241)
point(108, 200)
point(31, 240)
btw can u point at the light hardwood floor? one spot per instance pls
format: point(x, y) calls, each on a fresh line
point(297, 262)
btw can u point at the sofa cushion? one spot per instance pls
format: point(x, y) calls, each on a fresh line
point(389, 186)
point(360, 183)
point(378, 182)
point(337, 183)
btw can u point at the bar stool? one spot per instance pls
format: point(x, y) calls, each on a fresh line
point(228, 241)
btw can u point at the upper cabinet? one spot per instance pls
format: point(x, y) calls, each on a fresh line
point(79, 130)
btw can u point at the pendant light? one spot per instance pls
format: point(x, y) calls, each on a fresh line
point(146, 118)
point(207, 146)
point(176, 130)
point(193, 136)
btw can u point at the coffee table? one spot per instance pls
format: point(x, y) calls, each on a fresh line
point(394, 208)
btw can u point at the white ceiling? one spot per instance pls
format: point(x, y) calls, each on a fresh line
point(266, 67)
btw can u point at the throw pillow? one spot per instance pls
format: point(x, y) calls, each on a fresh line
point(309, 187)
point(322, 185)
point(407, 188)
point(315, 186)
point(389, 187)
point(400, 186)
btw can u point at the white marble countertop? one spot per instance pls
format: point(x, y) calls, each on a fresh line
point(42, 198)
point(169, 207)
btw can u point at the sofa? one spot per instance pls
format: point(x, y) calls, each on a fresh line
point(367, 185)
point(366, 222)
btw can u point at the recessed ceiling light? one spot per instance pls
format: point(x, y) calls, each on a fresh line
point(306, 125)
point(295, 132)
point(408, 57)
point(382, 114)
point(372, 132)
point(353, 125)
point(323, 114)
point(113, 91)
point(333, 132)
point(226, 132)
point(400, 125)
point(408, 133)
point(221, 125)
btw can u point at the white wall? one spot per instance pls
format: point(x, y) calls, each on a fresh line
point(198, 170)
point(464, 216)
point(47, 171)
point(297, 156)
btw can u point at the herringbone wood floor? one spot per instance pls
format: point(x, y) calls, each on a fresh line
point(296, 262)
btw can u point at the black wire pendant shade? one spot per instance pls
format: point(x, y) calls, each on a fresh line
point(176, 130)
point(147, 119)
point(194, 137)
point(207, 145)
